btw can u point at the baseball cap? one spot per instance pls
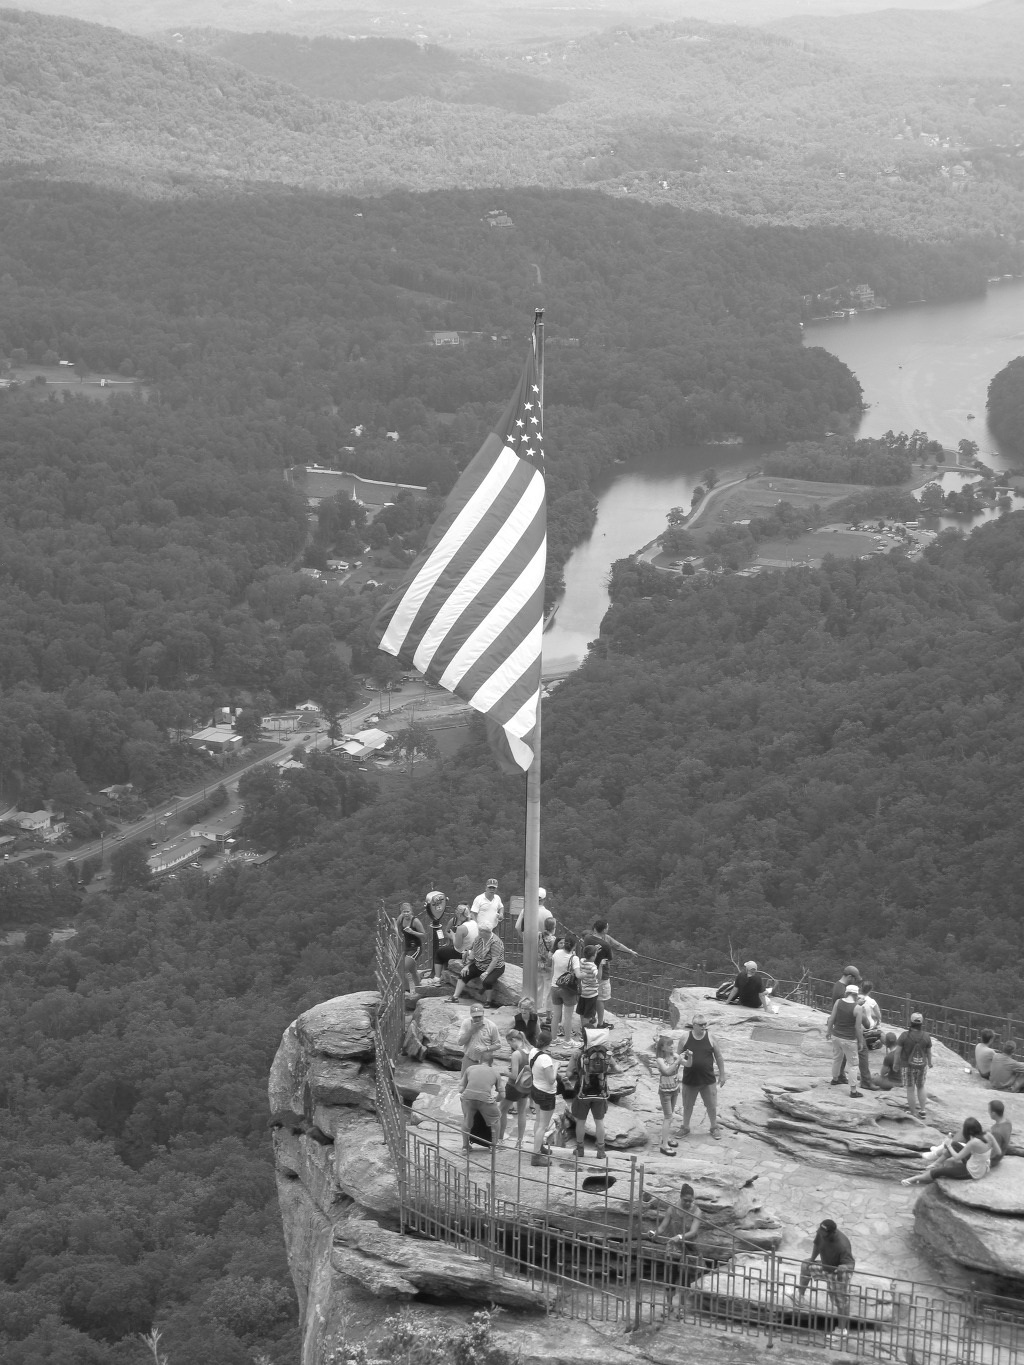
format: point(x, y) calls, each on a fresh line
point(750, 966)
point(827, 1225)
point(492, 881)
point(541, 893)
point(851, 971)
point(476, 1008)
point(916, 1018)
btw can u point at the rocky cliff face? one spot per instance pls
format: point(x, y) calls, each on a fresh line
point(792, 1143)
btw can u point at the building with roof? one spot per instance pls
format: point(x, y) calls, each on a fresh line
point(216, 739)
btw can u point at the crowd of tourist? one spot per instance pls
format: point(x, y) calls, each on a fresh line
point(574, 990)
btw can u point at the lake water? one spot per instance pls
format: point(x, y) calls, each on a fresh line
point(923, 367)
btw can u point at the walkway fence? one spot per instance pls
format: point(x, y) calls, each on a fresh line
point(590, 1252)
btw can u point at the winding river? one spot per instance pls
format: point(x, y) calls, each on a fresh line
point(924, 367)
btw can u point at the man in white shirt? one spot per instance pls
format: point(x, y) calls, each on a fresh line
point(488, 908)
point(464, 934)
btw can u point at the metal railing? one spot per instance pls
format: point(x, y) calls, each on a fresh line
point(589, 1251)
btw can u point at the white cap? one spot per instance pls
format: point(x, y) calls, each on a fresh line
point(541, 893)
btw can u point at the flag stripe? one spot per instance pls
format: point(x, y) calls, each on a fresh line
point(510, 673)
point(461, 527)
point(485, 579)
point(504, 625)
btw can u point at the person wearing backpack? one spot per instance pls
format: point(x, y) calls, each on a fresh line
point(592, 1066)
point(519, 1085)
point(565, 983)
point(915, 1049)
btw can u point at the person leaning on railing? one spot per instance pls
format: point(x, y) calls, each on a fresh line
point(833, 1250)
point(678, 1225)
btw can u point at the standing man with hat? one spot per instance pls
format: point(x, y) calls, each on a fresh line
point(479, 1038)
point(845, 1027)
point(488, 908)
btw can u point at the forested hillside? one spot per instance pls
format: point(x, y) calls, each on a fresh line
point(1006, 405)
point(811, 767)
point(150, 548)
point(918, 133)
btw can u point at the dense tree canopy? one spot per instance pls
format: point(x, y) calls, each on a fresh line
point(151, 542)
point(1006, 405)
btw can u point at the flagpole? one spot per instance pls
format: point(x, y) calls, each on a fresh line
point(531, 918)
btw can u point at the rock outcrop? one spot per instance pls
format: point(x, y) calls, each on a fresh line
point(979, 1223)
point(789, 1140)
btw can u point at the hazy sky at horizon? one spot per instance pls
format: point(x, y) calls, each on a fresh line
point(303, 15)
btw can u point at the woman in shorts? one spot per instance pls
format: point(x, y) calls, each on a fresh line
point(545, 1088)
point(669, 1064)
point(515, 1097)
point(565, 979)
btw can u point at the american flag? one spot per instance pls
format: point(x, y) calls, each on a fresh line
point(470, 615)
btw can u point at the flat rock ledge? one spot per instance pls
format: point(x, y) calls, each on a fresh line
point(979, 1223)
point(339, 1190)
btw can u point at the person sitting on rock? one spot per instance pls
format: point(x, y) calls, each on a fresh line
point(831, 1260)
point(416, 1044)
point(463, 935)
point(872, 1015)
point(748, 989)
point(701, 1054)
point(1006, 1073)
point(484, 960)
point(971, 1161)
point(678, 1225)
point(668, 1063)
point(1001, 1130)
point(477, 1036)
point(481, 1088)
point(984, 1053)
point(891, 1077)
point(846, 1030)
point(916, 1058)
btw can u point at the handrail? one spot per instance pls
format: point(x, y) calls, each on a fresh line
point(592, 1258)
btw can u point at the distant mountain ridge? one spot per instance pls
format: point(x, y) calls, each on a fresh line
point(804, 123)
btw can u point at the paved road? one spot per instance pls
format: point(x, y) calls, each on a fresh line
point(148, 825)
